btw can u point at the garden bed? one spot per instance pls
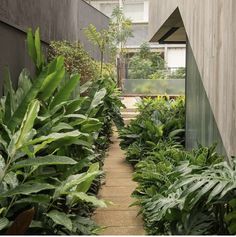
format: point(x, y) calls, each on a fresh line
point(179, 192)
point(54, 134)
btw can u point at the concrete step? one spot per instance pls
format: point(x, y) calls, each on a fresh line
point(129, 114)
point(127, 230)
point(118, 218)
point(129, 110)
point(127, 120)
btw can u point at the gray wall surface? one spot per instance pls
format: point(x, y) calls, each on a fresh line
point(210, 28)
point(57, 19)
point(201, 127)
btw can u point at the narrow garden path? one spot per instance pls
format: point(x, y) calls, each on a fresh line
point(119, 218)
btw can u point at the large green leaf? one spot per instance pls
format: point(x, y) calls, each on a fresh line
point(27, 188)
point(87, 198)
point(11, 179)
point(45, 160)
point(31, 46)
point(37, 42)
point(53, 80)
point(98, 98)
point(27, 123)
point(53, 137)
point(92, 173)
point(81, 182)
point(61, 126)
point(44, 140)
point(3, 223)
point(65, 92)
point(91, 125)
point(39, 198)
point(85, 86)
point(9, 92)
point(60, 218)
point(24, 85)
point(19, 114)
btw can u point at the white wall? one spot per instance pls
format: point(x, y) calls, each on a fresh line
point(176, 57)
point(136, 10)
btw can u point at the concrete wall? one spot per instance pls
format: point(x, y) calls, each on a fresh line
point(57, 19)
point(201, 127)
point(210, 28)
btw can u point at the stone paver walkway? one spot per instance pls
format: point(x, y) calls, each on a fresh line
point(119, 219)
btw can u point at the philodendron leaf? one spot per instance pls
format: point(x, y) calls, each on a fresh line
point(3, 223)
point(46, 160)
point(27, 189)
point(60, 218)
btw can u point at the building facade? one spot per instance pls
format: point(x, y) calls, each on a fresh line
point(138, 12)
point(207, 26)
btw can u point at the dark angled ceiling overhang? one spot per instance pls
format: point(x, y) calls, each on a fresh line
point(172, 31)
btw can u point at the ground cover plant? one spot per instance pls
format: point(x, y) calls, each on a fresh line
point(52, 147)
point(179, 192)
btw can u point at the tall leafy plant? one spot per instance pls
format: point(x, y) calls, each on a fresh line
point(99, 39)
point(179, 192)
point(47, 156)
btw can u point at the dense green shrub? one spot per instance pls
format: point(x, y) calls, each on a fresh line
point(76, 59)
point(52, 146)
point(159, 119)
point(179, 192)
point(178, 74)
point(145, 64)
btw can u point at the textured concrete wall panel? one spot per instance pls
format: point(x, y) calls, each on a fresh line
point(210, 27)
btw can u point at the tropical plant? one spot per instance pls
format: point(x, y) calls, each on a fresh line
point(179, 192)
point(99, 39)
point(120, 30)
point(49, 140)
point(158, 119)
